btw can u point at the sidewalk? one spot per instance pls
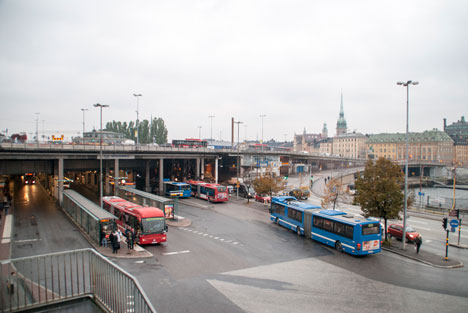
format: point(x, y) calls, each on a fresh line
point(423, 256)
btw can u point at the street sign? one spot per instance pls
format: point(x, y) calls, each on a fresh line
point(421, 194)
point(453, 229)
point(454, 223)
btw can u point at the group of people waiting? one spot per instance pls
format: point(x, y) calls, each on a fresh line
point(115, 237)
point(6, 198)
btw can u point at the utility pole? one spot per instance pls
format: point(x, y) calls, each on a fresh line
point(262, 116)
point(37, 128)
point(138, 95)
point(100, 106)
point(211, 132)
point(84, 120)
point(238, 157)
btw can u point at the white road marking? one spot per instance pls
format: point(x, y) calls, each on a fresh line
point(419, 227)
point(413, 221)
point(139, 262)
point(205, 234)
point(235, 243)
point(7, 229)
point(216, 238)
point(27, 240)
point(177, 252)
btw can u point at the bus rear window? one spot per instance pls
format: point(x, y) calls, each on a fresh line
point(370, 229)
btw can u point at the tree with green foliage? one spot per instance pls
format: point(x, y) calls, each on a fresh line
point(267, 184)
point(379, 190)
point(149, 132)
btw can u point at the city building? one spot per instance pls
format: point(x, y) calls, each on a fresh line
point(458, 131)
point(350, 145)
point(307, 142)
point(428, 146)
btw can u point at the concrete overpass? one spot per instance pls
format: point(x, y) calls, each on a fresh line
point(148, 161)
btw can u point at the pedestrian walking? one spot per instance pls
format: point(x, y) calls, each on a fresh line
point(113, 242)
point(418, 242)
point(119, 238)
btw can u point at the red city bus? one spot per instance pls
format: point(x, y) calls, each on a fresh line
point(148, 223)
point(210, 192)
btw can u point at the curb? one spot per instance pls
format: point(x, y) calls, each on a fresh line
point(423, 261)
point(180, 222)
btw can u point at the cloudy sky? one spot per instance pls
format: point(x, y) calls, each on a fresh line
point(190, 59)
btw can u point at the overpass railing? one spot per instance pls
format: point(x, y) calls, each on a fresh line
point(51, 279)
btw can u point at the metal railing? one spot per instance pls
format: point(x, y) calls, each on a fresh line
point(49, 279)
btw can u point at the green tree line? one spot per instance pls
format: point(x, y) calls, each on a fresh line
point(149, 132)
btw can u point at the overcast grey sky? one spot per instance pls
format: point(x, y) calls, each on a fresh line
point(233, 58)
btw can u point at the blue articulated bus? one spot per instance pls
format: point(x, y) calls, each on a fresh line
point(288, 212)
point(177, 189)
point(345, 232)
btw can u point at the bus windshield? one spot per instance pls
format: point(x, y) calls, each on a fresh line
point(222, 189)
point(369, 229)
point(185, 187)
point(152, 225)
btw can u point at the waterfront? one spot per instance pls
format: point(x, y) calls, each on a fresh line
point(441, 197)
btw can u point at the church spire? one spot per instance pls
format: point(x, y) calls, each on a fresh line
point(341, 125)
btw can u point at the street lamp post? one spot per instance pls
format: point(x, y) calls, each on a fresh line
point(100, 106)
point(199, 132)
point(211, 122)
point(238, 157)
point(262, 116)
point(138, 95)
point(406, 84)
point(37, 128)
point(84, 120)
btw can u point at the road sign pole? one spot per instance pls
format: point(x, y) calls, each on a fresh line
point(446, 245)
point(459, 230)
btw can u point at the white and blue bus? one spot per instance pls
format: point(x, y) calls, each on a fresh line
point(181, 190)
point(288, 212)
point(345, 232)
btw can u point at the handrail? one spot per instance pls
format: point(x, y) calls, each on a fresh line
point(54, 278)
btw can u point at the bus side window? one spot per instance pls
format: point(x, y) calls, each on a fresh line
point(295, 214)
point(349, 231)
point(328, 225)
point(318, 222)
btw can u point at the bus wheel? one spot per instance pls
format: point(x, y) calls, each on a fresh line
point(298, 231)
point(338, 246)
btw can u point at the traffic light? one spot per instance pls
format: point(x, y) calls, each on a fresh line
point(444, 223)
point(285, 176)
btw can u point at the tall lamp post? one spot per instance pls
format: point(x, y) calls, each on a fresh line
point(211, 132)
point(262, 116)
point(100, 106)
point(138, 95)
point(37, 128)
point(84, 120)
point(238, 157)
point(199, 132)
point(406, 84)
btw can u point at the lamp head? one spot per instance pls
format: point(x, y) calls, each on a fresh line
point(415, 83)
point(400, 83)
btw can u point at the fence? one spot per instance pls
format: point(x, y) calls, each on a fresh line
point(50, 279)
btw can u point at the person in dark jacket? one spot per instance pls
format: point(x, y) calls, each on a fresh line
point(113, 241)
point(418, 242)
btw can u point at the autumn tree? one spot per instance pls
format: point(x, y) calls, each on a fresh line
point(332, 193)
point(267, 184)
point(379, 190)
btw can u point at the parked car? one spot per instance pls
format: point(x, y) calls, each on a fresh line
point(396, 230)
point(302, 194)
point(262, 198)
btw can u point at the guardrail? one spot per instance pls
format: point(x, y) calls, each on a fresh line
point(50, 279)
